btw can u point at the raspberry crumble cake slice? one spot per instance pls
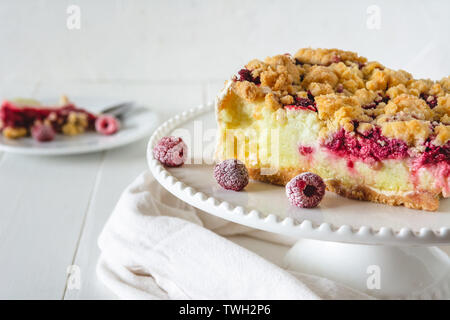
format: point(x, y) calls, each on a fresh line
point(370, 132)
point(17, 118)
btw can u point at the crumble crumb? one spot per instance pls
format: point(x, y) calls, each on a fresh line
point(287, 100)
point(410, 106)
point(412, 131)
point(248, 90)
point(14, 133)
point(272, 101)
point(77, 123)
point(64, 100)
point(442, 133)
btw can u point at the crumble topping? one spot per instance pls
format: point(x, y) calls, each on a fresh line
point(413, 132)
point(327, 56)
point(442, 133)
point(14, 133)
point(408, 107)
point(77, 123)
point(248, 90)
point(350, 93)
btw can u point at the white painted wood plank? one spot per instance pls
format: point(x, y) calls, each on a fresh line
point(43, 204)
point(119, 169)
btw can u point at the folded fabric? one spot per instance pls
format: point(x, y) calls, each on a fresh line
point(155, 246)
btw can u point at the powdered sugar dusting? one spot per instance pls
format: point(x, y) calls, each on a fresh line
point(231, 174)
point(170, 151)
point(305, 190)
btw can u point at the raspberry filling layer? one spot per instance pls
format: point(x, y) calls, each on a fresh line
point(437, 160)
point(433, 155)
point(15, 116)
point(373, 147)
point(369, 147)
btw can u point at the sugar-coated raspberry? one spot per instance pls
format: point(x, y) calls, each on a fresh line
point(106, 124)
point(231, 174)
point(42, 132)
point(305, 190)
point(171, 151)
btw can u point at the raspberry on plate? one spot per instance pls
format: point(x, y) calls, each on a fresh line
point(170, 151)
point(107, 125)
point(42, 132)
point(305, 190)
point(231, 174)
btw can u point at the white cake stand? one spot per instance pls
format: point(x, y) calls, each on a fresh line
point(381, 250)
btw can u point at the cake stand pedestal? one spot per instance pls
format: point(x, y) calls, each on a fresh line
point(386, 252)
point(378, 270)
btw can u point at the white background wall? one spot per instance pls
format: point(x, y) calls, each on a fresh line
point(176, 54)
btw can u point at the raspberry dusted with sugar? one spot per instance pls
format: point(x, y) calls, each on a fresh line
point(42, 132)
point(170, 151)
point(305, 190)
point(231, 174)
point(107, 125)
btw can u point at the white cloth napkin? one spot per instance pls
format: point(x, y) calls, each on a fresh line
point(155, 246)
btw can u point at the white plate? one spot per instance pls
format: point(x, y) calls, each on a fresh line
point(137, 124)
point(265, 206)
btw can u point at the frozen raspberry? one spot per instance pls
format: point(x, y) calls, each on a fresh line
point(231, 174)
point(42, 132)
point(305, 190)
point(170, 151)
point(106, 124)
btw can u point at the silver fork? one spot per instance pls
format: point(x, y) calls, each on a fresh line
point(118, 110)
